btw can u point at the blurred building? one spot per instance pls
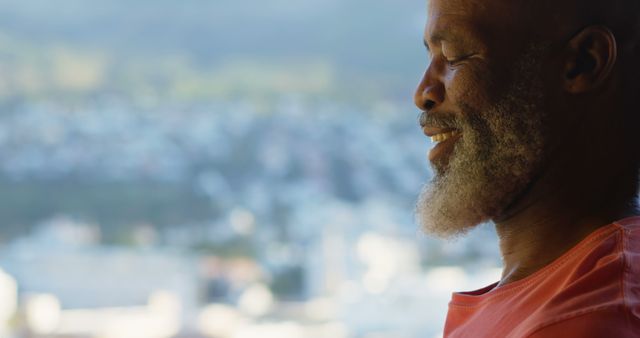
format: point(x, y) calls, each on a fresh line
point(62, 258)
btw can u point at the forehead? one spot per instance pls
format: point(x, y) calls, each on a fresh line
point(471, 15)
point(478, 8)
point(458, 6)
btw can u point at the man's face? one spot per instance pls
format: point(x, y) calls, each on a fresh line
point(483, 105)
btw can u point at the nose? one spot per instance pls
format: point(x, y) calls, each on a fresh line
point(430, 92)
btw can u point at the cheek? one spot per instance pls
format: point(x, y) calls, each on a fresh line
point(469, 86)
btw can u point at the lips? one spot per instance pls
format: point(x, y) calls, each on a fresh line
point(445, 139)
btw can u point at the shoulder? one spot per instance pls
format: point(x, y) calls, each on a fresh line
point(602, 298)
point(606, 322)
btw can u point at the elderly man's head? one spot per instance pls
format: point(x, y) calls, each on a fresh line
point(523, 94)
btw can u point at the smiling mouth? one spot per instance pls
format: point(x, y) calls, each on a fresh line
point(441, 137)
point(444, 139)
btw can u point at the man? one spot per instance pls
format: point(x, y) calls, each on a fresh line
point(532, 106)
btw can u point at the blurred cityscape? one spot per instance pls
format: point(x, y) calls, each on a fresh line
point(218, 169)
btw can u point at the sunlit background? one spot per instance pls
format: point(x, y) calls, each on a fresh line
point(218, 169)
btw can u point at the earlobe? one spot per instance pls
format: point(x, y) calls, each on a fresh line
point(591, 56)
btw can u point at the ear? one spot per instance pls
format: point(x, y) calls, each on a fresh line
point(592, 53)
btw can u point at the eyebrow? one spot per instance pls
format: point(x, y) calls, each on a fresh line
point(442, 36)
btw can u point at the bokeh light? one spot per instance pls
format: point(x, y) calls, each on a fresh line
point(218, 169)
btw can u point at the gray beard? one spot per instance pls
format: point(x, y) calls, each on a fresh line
point(497, 157)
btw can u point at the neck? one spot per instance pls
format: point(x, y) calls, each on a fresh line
point(529, 242)
point(553, 217)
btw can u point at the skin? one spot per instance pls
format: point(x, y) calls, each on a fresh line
point(589, 175)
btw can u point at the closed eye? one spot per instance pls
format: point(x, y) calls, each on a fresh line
point(456, 60)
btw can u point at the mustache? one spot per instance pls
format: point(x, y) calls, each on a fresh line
point(439, 120)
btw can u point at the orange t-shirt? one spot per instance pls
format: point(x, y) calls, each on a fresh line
point(592, 291)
